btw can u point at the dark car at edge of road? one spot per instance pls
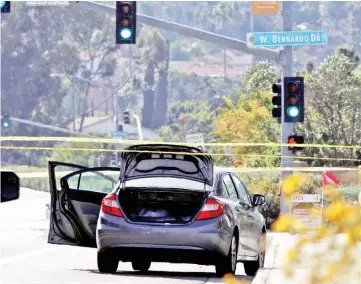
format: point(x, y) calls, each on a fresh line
point(168, 204)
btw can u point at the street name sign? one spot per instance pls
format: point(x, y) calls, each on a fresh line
point(47, 3)
point(118, 134)
point(287, 38)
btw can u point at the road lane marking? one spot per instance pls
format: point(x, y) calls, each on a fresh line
point(26, 255)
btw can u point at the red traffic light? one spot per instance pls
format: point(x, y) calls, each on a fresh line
point(295, 140)
point(292, 87)
point(291, 140)
point(125, 8)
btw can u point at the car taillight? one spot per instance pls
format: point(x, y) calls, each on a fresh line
point(211, 209)
point(111, 206)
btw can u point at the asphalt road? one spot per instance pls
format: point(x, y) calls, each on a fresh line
point(26, 257)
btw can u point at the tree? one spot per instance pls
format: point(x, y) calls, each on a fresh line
point(91, 35)
point(333, 107)
point(249, 121)
point(187, 118)
point(161, 102)
point(152, 51)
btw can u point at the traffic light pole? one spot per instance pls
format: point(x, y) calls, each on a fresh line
point(116, 120)
point(287, 128)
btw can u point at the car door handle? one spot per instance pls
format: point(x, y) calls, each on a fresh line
point(238, 209)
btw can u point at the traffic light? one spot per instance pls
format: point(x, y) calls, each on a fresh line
point(5, 6)
point(5, 121)
point(126, 117)
point(296, 140)
point(294, 99)
point(277, 100)
point(126, 22)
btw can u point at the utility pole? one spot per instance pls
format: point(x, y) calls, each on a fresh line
point(287, 128)
point(116, 120)
point(73, 102)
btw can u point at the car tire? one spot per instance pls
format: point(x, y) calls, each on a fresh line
point(141, 265)
point(228, 264)
point(251, 267)
point(107, 263)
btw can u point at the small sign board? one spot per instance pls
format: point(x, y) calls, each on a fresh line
point(306, 198)
point(47, 3)
point(118, 133)
point(196, 138)
point(265, 7)
point(301, 208)
point(287, 38)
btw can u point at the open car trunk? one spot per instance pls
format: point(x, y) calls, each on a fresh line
point(161, 206)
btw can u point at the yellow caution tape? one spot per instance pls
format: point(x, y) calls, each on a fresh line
point(238, 170)
point(119, 141)
point(69, 149)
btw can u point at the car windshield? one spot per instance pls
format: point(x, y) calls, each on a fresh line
point(167, 182)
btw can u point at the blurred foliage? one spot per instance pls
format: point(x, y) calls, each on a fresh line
point(341, 219)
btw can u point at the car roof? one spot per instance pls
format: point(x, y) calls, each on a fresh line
point(220, 170)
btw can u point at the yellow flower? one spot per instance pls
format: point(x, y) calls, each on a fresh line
point(282, 224)
point(288, 271)
point(299, 225)
point(335, 212)
point(292, 255)
point(291, 184)
point(331, 191)
point(231, 279)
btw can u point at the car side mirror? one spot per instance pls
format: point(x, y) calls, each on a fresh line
point(258, 199)
point(10, 186)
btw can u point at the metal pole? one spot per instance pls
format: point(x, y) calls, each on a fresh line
point(225, 71)
point(226, 42)
point(252, 30)
point(287, 128)
point(116, 120)
point(73, 106)
point(139, 126)
point(55, 128)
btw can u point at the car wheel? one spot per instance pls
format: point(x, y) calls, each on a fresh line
point(228, 264)
point(107, 263)
point(141, 265)
point(251, 267)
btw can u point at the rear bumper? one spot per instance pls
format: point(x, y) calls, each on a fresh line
point(199, 242)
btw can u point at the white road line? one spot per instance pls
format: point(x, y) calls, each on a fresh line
point(26, 255)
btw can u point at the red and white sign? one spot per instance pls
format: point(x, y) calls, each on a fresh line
point(329, 178)
point(306, 198)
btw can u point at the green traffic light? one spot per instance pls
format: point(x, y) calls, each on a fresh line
point(6, 124)
point(3, 3)
point(126, 33)
point(293, 111)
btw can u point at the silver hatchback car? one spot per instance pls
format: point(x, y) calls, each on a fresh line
point(167, 203)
